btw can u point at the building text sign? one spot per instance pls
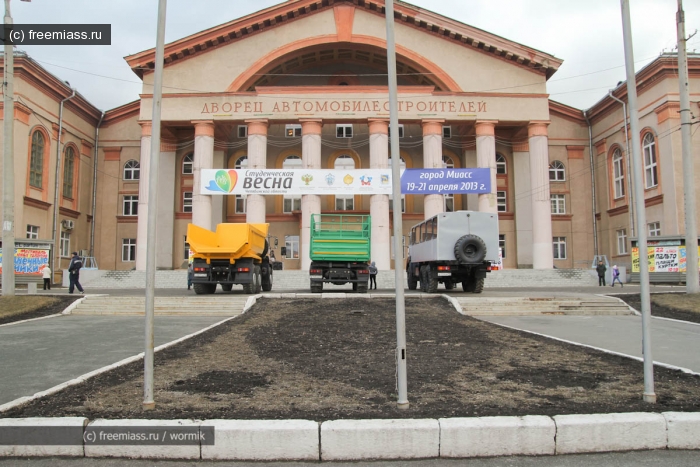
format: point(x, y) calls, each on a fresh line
point(445, 181)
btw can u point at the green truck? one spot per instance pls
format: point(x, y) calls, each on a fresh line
point(339, 249)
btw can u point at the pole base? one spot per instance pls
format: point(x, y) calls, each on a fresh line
point(149, 406)
point(650, 398)
point(402, 405)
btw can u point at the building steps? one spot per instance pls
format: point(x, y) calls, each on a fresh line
point(205, 305)
point(506, 306)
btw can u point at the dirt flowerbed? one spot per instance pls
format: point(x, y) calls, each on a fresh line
point(324, 359)
point(669, 305)
point(21, 307)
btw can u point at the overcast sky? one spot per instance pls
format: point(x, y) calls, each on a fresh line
point(586, 34)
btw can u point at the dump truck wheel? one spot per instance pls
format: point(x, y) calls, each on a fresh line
point(449, 285)
point(226, 287)
point(201, 289)
point(267, 281)
point(256, 280)
point(250, 288)
point(470, 249)
point(316, 287)
point(361, 287)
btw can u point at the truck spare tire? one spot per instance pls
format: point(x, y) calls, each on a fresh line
point(470, 249)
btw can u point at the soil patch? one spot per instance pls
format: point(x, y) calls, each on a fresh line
point(20, 307)
point(679, 306)
point(321, 359)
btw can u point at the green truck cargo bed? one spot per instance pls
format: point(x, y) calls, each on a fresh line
point(340, 238)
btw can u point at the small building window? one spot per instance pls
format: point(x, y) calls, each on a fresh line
point(651, 176)
point(446, 132)
point(187, 201)
point(292, 203)
point(242, 131)
point(32, 231)
point(130, 206)
point(501, 200)
point(622, 242)
point(68, 171)
point(187, 248)
point(241, 204)
point(128, 250)
point(291, 243)
point(559, 247)
point(618, 174)
point(654, 229)
point(132, 170)
point(64, 245)
point(500, 164)
point(36, 161)
point(188, 164)
point(558, 204)
point(502, 245)
point(343, 131)
point(292, 131)
point(556, 172)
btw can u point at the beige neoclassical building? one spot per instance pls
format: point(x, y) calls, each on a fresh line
point(303, 85)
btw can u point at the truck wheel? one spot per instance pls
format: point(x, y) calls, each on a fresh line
point(252, 287)
point(267, 280)
point(361, 288)
point(423, 279)
point(479, 285)
point(449, 285)
point(468, 285)
point(470, 249)
point(202, 289)
point(226, 287)
point(354, 286)
point(412, 281)
point(432, 281)
point(316, 287)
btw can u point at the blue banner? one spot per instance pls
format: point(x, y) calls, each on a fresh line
point(445, 181)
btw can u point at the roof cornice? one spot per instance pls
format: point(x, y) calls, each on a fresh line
point(122, 112)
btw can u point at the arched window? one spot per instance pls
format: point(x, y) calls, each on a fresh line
point(188, 164)
point(556, 172)
point(68, 170)
point(344, 202)
point(449, 201)
point(36, 162)
point(292, 202)
point(500, 164)
point(402, 166)
point(132, 170)
point(241, 163)
point(618, 174)
point(651, 176)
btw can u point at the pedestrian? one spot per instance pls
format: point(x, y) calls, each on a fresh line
point(601, 273)
point(373, 276)
point(190, 273)
point(616, 276)
point(46, 274)
point(74, 273)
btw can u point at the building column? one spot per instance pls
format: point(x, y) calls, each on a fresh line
point(542, 253)
point(432, 159)
point(144, 164)
point(310, 204)
point(217, 202)
point(166, 206)
point(523, 205)
point(486, 159)
point(203, 159)
point(257, 159)
point(379, 204)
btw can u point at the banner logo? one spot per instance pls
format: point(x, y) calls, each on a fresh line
point(224, 181)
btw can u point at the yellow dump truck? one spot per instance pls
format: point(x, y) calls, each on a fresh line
point(234, 254)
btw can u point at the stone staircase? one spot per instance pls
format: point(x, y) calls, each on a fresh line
point(524, 306)
point(204, 305)
point(299, 280)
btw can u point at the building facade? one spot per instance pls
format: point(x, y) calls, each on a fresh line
point(303, 85)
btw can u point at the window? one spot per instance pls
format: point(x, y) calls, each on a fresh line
point(128, 250)
point(188, 164)
point(187, 201)
point(651, 177)
point(654, 229)
point(622, 242)
point(241, 204)
point(292, 202)
point(132, 170)
point(64, 245)
point(559, 247)
point(68, 170)
point(241, 163)
point(558, 204)
point(242, 131)
point(502, 245)
point(291, 131)
point(447, 132)
point(345, 202)
point(500, 164)
point(32, 231)
point(501, 201)
point(187, 248)
point(291, 242)
point(449, 199)
point(618, 174)
point(402, 166)
point(36, 162)
point(556, 172)
point(343, 131)
point(400, 130)
point(130, 206)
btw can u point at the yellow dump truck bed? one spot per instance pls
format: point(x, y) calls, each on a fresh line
point(229, 241)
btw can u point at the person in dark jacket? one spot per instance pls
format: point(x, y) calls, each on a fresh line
point(601, 273)
point(74, 273)
point(373, 276)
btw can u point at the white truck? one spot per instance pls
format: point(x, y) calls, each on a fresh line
point(451, 248)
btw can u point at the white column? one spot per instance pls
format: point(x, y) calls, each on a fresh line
point(542, 253)
point(217, 202)
point(379, 204)
point(203, 159)
point(166, 206)
point(310, 204)
point(257, 159)
point(142, 228)
point(486, 159)
point(432, 159)
point(523, 204)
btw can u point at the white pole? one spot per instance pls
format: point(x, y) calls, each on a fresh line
point(692, 284)
point(148, 402)
point(8, 168)
point(402, 401)
point(649, 395)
